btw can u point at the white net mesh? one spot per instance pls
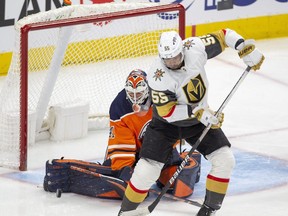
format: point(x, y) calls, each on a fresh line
point(94, 60)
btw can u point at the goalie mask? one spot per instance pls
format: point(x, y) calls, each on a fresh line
point(136, 87)
point(170, 48)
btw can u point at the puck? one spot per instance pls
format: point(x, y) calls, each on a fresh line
point(58, 193)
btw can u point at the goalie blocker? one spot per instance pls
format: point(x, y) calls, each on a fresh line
point(96, 180)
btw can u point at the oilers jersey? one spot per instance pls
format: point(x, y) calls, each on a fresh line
point(126, 132)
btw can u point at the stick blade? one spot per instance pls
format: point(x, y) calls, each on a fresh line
point(136, 212)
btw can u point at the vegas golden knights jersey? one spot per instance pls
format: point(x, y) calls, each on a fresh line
point(175, 93)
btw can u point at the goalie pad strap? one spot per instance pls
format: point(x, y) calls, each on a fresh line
point(95, 167)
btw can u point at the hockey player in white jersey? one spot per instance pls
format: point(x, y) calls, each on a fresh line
point(179, 88)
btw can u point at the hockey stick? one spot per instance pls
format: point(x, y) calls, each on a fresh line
point(115, 182)
point(120, 190)
point(172, 197)
point(147, 210)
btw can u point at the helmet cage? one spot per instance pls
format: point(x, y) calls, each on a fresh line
point(136, 87)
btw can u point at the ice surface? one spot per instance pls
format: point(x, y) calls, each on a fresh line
point(256, 122)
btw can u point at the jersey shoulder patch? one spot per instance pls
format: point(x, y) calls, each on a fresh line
point(159, 77)
point(193, 43)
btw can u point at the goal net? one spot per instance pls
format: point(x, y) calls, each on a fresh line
point(77, 58)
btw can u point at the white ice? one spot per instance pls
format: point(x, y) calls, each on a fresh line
point(256, 122)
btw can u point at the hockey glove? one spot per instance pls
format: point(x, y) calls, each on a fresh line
point(206, 116)
point(250, 54)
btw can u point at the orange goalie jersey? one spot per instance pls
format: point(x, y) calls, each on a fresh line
point(126, 132)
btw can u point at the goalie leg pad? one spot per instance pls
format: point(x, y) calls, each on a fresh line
point(197, 157)
point(57, 177)
point(93, 184)
point(183, 186)
point(95, 167)
point(83, 178)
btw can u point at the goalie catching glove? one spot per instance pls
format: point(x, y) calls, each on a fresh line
point(250, 54)
point(207, 116)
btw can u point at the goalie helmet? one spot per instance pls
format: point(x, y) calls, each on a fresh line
point(136, 87)
point(170, 46)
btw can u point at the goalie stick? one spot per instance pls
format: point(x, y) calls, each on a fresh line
point(120, 189)
point(118, 183)
point(147, 210)
point(172, 197)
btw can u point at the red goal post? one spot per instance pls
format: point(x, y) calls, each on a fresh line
point(27, 59)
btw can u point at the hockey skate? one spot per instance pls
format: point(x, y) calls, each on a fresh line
point(206, 211)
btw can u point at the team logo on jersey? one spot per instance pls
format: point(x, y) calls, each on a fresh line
point(195, 89)
point(158, 74)
point(188, 44)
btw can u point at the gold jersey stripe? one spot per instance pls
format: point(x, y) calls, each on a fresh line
point(221, 38)
point(165, 109)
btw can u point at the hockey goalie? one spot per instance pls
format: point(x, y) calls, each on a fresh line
point(130, 113)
